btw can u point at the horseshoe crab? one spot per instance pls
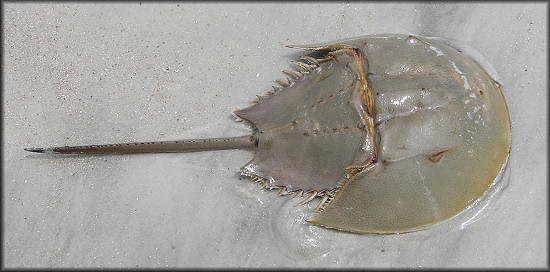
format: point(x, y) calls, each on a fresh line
point(394, 132)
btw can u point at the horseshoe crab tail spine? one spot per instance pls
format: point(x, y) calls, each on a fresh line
point(182, 146)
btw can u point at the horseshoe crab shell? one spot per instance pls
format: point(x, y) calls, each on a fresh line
point(395, 132)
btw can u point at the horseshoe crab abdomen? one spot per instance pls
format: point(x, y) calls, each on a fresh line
point(307, 145)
